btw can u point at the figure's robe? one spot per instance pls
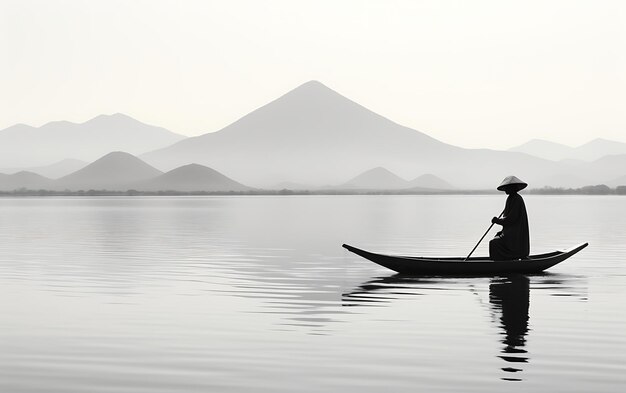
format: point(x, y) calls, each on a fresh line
point(513, 242)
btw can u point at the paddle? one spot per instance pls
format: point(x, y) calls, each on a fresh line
point(481, 239)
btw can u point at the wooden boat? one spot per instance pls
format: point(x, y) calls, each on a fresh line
point(459, 266)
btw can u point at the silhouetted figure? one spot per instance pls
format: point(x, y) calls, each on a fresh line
point(511, 296)
point(513, 242)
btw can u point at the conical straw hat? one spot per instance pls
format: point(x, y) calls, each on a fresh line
point(512, 182)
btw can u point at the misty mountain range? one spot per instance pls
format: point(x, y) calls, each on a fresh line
point(25, 146)
point(53, 171)
point(590, 151)
point(383, 179)
point(119, 171)
point(312, 135)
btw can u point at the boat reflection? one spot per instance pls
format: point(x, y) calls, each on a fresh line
point(509, 303)
point(509, 298)
point(382, 290)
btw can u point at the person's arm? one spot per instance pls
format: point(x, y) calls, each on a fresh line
point(496, 220)
point(512, 212)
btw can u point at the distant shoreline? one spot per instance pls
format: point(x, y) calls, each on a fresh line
point(587, 190)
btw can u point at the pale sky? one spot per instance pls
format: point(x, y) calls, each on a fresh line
point(488, 74)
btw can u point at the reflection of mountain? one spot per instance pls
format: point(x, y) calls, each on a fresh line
point(510, 298)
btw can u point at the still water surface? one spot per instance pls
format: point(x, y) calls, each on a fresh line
point(239, 294)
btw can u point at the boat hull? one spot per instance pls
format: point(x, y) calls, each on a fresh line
point(459, 266)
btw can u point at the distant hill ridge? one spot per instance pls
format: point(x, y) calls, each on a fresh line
point(191, 177)
point(120, 171)
point(26, 146)
point(115, 170)
point(590, 151)
point(377, 178)
point(429, 180)
point(314, 136)
point(382, 179)
point(53, 171)
point(24, 179)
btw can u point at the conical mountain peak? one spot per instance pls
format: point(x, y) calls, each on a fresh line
point(112, 171)
point(192, 177)
point(119, 160)
point(428, 180)
point(312, 135)
point(116, 155)
point(312, 94)
point(113, 118)
point(314, 85)
point(379, 170)
point(311, 114)
point(191, 170)
point(377, 178)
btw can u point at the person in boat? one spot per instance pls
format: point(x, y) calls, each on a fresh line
point(513, 241)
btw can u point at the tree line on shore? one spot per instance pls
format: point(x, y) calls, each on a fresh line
point(601, 189)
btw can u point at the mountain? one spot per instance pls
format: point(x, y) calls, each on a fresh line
point(620, 181)
point(590, 151)
point(382, 179)
point(544, 149)
point(604, 170)
point(430, 181)
point(598, 148)
point(23, 179)
point(376, 179)
point(572, 162)
point(114, 171)
point(192, 177)
point(53, 171)
point(119, 171)
point(314, 135)
point(25, 146)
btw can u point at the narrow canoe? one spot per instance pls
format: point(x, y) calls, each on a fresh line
point(458, 266)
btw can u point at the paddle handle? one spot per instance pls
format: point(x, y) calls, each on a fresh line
point(481, 239)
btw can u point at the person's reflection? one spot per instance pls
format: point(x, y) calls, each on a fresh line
point(510, 297)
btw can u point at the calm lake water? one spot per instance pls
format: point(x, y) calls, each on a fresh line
point(240, 294)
